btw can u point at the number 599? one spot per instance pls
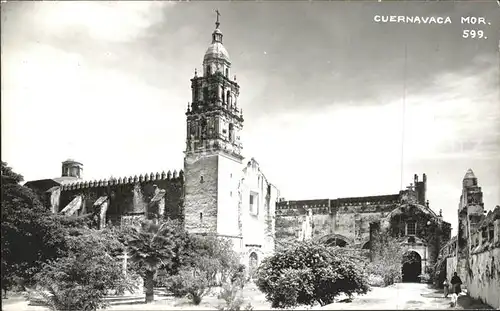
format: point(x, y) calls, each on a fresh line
point(471, 33)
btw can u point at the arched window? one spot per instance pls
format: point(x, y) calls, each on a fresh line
point(209, 71)
point(228, 98)
point(205, 93)
point(227, 72)
point(231, 132)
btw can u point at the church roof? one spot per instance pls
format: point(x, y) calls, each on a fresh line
point(46, 184)
point(469, 174)
point(66, 179)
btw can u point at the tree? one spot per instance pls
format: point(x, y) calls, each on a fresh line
point(309, 273)
point(155, 246)
point(81, 279)
point(24, 243)
point(212, 256)
point(387, 257)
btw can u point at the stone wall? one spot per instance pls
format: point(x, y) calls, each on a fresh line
point(127, 196)
point(200, 201)
point(483, 266)
point(347, 217)
point(484, 280)
point(480, 269)
point(228, 182)
point(257, 220)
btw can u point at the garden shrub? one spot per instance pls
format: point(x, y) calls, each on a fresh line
point(375, 280)
point(387, 257)
point(209, 261)
point(231, 294)
point(189, 283)
point(81, 280)
point(309, 273)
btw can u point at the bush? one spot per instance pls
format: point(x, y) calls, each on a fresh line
point(188, 283)
point(387, 255)
point(232, 297)
point(238, 277)
point(376, 280)
point(389, 272)
point(208, 262)
point(309, 273)
point(425, 278)
point(81, 280)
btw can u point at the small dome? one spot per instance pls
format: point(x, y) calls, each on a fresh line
point(71, 161)
point(216, 51)
point(469, 174)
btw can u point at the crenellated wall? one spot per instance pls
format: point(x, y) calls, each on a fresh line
point(126, 196)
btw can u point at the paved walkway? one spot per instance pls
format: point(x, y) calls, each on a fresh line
point(412, 296)
point(406, 296)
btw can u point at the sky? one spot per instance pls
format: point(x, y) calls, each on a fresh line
point(335, 104)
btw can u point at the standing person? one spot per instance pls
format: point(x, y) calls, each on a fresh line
point(446, 287)
point(455, 288)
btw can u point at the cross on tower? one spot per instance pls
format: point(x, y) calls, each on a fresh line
point(217, 23)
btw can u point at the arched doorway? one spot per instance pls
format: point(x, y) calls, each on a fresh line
point(411, 267)
point(336, 241)
point(253, 264)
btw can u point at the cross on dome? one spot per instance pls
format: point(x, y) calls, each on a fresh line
point(217, 23)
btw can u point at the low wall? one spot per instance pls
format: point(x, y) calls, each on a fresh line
point(485, 280)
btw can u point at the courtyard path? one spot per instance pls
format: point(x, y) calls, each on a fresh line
point(404, 296)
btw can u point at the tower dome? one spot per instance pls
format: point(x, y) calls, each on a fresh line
point(216, 50)
point(469, 174)
point(72, 168)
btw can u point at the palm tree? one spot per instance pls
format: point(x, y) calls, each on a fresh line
point(154, 246)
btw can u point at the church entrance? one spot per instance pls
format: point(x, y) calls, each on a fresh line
point(411, 267)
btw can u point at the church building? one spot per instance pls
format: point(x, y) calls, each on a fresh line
point(217, 192)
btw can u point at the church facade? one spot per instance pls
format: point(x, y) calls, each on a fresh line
point(218, 192)
point(351, 222)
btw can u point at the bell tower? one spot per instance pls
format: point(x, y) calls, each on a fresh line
point(212, 162)
point(470, 213)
